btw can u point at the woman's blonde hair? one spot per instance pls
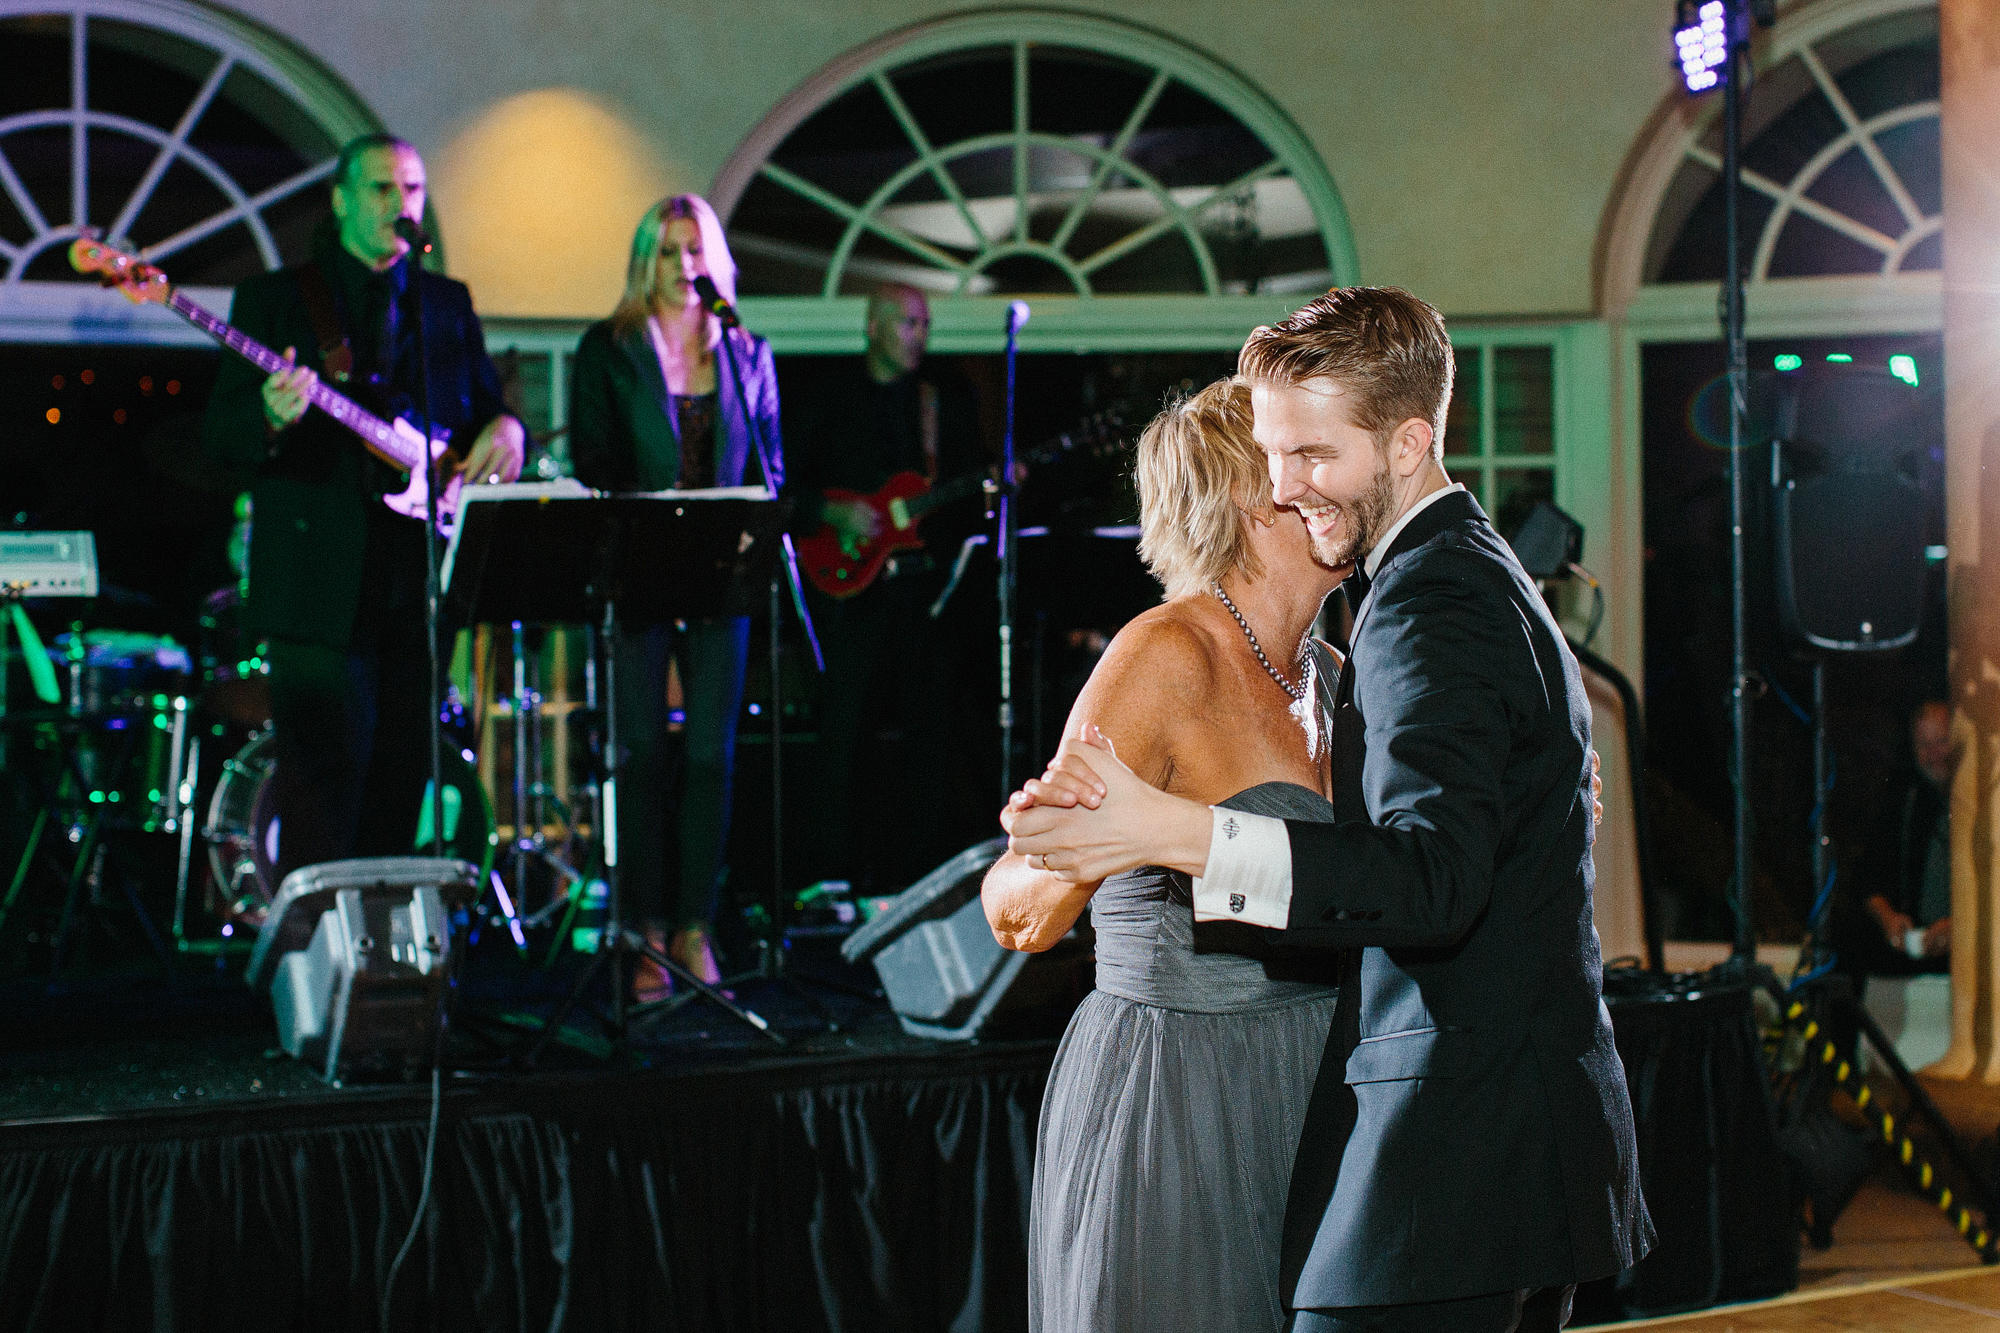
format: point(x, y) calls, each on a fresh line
point(1200, 476)
point(642, 274)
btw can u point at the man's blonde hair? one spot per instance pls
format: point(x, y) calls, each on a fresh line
point(1200, 475)
point(1385, 347)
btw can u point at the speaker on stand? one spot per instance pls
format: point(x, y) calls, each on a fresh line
point(1848, 526)
point(1847, 509)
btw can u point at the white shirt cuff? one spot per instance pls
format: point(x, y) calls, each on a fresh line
point(1249, 875)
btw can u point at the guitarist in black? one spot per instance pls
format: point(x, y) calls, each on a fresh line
point(337, 579)
point(887, 659)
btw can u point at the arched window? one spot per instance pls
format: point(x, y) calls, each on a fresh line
point(1035, 153)
point(1841, 166)
point(197, 139)
point(1842, 201)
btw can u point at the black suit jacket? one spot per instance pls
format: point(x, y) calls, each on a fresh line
point(1470, 1130)
point(312, 484)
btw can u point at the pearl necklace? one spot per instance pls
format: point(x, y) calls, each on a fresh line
point(1298, 692)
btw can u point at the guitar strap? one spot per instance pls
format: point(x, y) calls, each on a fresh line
point(927, 423)
point(335, 353)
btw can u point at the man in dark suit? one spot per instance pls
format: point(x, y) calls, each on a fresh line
point(337, 580)
point(1468, 1156)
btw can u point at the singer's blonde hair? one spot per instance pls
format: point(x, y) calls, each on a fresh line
point(1201, 476)
point(642, 272)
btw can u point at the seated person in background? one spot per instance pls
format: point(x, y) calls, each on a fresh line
point(1904, 925)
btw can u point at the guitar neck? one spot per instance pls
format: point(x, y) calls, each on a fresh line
point(380, 437)
point(970, 483)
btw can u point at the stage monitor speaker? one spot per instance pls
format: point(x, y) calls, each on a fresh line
point(1847, 517)
point(944, 973)
point(354, 953)
point(1547, 542)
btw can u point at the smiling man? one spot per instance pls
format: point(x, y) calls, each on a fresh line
point(1468, 1156)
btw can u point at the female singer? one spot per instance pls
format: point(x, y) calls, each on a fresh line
point(654, 406)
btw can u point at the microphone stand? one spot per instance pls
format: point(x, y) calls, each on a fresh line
point(771, 963)
point(419, 245)
point(1017, 315)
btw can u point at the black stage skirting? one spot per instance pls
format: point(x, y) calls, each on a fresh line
point(186, 1180)
point(1715, 1182)
point(881, 1192)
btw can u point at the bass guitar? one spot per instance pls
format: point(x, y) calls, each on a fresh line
point(395, 441)
point(841, 568)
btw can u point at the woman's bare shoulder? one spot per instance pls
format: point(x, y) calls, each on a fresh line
point(1159, 660)
point(1169, 643)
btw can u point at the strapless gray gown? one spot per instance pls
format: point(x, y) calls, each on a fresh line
point(1171, 1119)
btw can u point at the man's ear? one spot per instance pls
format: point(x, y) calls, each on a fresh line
point(1410, 446)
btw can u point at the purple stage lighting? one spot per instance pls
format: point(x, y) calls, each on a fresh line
point(1701, 43)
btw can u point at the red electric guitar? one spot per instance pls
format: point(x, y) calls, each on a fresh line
point(396, 442)
point(839, 569)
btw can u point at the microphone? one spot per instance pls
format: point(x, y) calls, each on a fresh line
point(1017, 316)
point(711, 299)
point(414, 234)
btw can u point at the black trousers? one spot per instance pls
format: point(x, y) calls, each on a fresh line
point(887, 661)
point(1536, 1310)
point(352, 734)
point(695, 801)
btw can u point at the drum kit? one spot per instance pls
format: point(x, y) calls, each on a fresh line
point(145, 740)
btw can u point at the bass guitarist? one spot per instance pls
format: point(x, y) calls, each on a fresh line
point(887, 659)
point(337, 581)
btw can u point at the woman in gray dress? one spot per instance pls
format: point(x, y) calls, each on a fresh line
point(1173, 1111)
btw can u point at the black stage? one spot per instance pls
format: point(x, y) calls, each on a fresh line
point(162, 1167)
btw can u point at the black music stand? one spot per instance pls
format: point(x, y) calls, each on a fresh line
point(556, 552)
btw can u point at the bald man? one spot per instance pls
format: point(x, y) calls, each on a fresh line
point(889, 664)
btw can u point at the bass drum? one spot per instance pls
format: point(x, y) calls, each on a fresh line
point(243, 827)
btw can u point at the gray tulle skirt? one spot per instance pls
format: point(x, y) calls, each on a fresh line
point(1166, 1149)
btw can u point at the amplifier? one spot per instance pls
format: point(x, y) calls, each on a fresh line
point(49, 564)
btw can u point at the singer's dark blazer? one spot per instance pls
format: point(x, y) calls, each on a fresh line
point(624, 435)
point(1470, 1130)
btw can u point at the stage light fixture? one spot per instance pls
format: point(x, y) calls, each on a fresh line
point(1788, 361)
point(1701, 43)
point(1839, 358)
point(1904, 368)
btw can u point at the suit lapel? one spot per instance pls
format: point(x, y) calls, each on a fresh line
point(651, 406)
point(638, 348)
point(1349, 727)
point(732, 418)
point(1440, 514)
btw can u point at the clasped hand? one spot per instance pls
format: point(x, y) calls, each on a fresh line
point(1089, 817)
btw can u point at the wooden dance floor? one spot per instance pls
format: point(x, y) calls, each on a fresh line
point(1965, 1300)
